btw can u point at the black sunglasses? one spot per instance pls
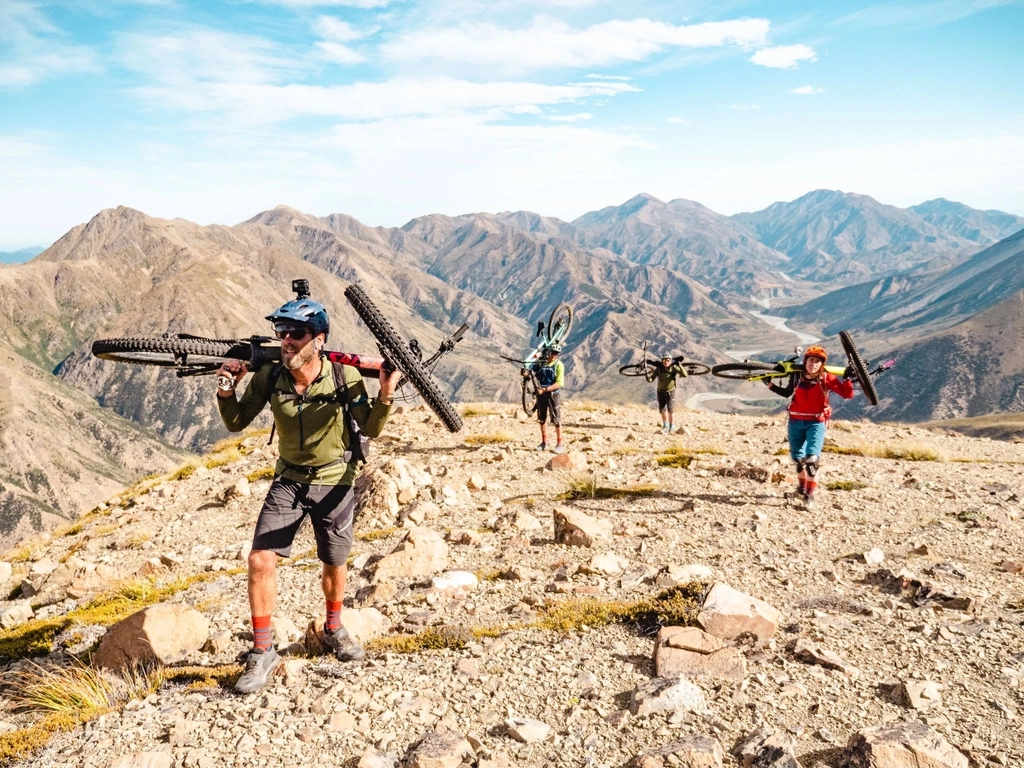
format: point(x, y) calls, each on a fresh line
point(291, 333)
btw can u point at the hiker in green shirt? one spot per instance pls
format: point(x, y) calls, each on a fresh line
point(666, 374)
point(317, 407)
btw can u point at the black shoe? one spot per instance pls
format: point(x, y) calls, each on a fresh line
point(259, 665)
point(345, 648)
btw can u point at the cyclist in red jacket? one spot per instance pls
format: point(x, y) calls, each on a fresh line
point(809, 414)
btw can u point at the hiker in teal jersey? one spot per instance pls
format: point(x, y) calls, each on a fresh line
point(666, 374)
point(550, 373)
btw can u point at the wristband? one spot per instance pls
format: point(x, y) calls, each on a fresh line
point(225, 384)
point(386, 400)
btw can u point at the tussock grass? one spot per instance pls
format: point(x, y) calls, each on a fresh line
point(430, 639)
point(383, 533)
point(21, 554)
point(22, 743)
point(586, 487)
point(72, 688)
point(492, 439)
point(475, 411)
point(626, 450)
point(183, 472)
point(238, 442)
point(781, 452)
point(263, 473)
point(680, 457)
point(899, 451)
point(670, 607)
point(203, 678)
point(845, 485)
point(223, 458)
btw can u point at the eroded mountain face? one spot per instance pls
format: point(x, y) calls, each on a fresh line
point(676, 275)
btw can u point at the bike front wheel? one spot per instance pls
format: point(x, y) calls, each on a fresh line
point(181, 352)
point(637, 369)
point(559, 323)
point(696, 369)
point(529, 395)
point(749, 370)
point(399, 353)
point(860, 370)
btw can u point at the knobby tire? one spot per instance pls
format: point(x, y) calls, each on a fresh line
point(635, 369)
point(859, 368)
point(555, 331)
point(167, 351)
point(696, 369)
point(529, 395)
point(746, 371)
point(395, 349)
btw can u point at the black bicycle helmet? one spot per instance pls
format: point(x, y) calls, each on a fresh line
point(305, 311)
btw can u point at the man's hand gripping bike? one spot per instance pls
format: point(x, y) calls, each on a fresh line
point(190, 355)
point(552, 334)
point(754, 370)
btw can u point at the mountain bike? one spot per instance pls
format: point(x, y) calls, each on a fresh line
point(552, 334)
point(755, 370)
point(189, 355)
point(648, 367)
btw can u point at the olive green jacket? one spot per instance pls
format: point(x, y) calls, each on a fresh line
point(667, 376)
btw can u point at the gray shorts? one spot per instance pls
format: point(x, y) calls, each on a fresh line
point(666, 400)
point(329, 507)
point(550, 403)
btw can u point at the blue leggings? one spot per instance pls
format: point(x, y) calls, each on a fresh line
point(806, 438)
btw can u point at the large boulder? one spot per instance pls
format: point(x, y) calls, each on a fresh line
point(901, 745)
point(729, 613)
point(692, 653)
point(666, 695)
point(578, 529)
point(362, 625)
point(161, 632)
point(376, 500)
point(422, 553)
point(693, 751)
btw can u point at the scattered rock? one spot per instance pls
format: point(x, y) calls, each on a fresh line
point(571, 460)
point(143, 760)
point(811, 653)
point(161, 632)
point(729, 613)
point(578, 529)
point(1013, 566)
point(455, 581)
point(874, 556)
point(692, 639)
point(363, 624)
point(238, 490)
point(919, 694)
point(371, 758)
point(694, 751)
point(376, 500)
point(285, 631)
point(15, 612)
point(527, 730)
point(901, 745)
point(671, 662)
point(666, 695)
point(441, 749)
point(6, 569)
point(746, 471)
point(607, 564)
point(422, 553)
point(678, 575)
point(767, 748)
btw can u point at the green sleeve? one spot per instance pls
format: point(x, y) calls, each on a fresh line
point(680, 371)
point(238, 412)
point(559, 374)
point(371, 419)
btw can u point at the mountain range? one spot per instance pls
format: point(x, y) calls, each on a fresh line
point(675, 275)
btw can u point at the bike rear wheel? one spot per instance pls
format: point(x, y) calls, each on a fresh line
point(745, 371)
point(529, 395)
point(172, 351)
point(860, 370)
point(559, 324)
point(396, 350)
point(696, 369)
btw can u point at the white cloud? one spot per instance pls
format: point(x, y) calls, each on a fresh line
point(336, 29)
point(552, 43)
point(807, 90)
point(267, 103)
point(571, 118)
point(784, 56)
point(32, 49)
point(338, 53)
point(679, 120)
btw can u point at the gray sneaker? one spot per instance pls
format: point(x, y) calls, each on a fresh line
point(559, 449)
point(259, 665)
point(345, 648)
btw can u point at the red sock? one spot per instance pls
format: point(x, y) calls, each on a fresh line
point(333, 616)
point(810, 485)
point(801, 484)
point(262, 638)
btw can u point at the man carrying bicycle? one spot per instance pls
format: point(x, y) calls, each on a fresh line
point(666, 374)
point(550, 373)
point(809, 414)
point(315, 413)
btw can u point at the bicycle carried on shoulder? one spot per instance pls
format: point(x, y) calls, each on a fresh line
point(553, 334)
point(189, 355)
point(648, 367)
point(755, 370)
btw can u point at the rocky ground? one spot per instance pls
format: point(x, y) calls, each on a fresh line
point(899, 599)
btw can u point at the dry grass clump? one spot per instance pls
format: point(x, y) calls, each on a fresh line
point(183, 472)
point(19, 744)
point(200, 678)
point(492, 439)
point(586, 487)
point(671, 607)
point(626, 450)
point(902, 451)
point(430, 639)
point(383, 533)
point(475, 411)
point(263, 473)
point(845, 485)
point(72, 688)
point(222, 458)
point(681, 458)
point(244, 443)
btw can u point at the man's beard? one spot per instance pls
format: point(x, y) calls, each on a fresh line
point(303, 356)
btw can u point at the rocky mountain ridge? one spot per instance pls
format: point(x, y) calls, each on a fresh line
point(574, 610)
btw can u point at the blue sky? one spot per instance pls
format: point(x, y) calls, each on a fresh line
point(389, 109)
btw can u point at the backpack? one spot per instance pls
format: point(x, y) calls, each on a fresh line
point(358, 443)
